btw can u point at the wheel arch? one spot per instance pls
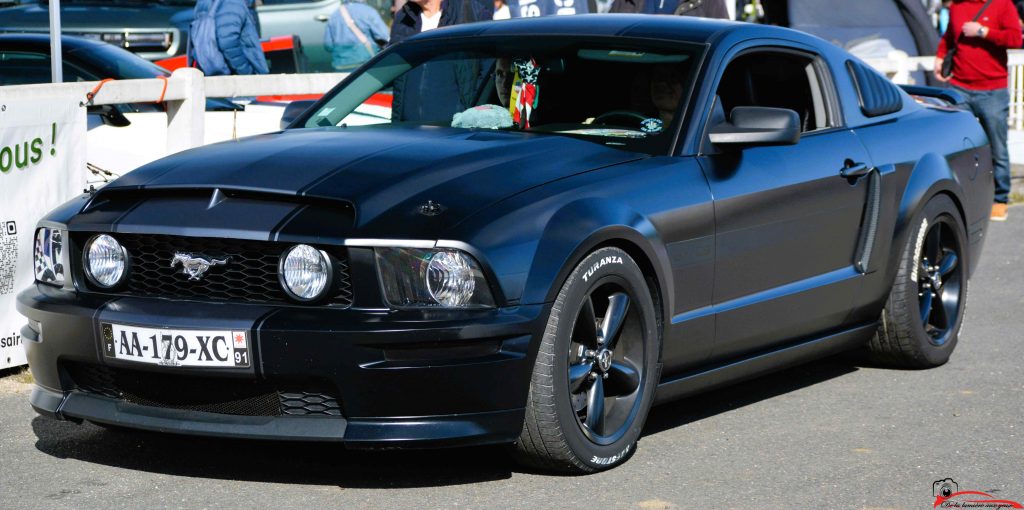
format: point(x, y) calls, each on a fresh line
point(587, 225)
point(930, 177)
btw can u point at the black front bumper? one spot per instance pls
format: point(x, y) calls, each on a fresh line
point(401, 378)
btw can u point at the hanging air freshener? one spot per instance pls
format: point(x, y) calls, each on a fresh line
point(525, 92)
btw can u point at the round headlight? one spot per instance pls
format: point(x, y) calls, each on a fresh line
point(105, 261)
point(450, 279)
point(305, 272)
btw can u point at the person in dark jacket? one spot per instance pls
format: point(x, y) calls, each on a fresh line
point(698, 8)
point(450, 85)
point(238, 36)
point(416, 16)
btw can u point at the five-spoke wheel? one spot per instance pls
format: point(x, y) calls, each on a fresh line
point(921, 320)
point(939, 280)
point(603, 376)
point(594, 377)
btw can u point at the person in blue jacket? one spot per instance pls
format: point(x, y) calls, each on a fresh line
point(355, 33)
point(238, 36)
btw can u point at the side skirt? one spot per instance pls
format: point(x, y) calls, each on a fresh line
point(735, 371)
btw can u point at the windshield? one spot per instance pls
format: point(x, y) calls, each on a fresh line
point(624, 94)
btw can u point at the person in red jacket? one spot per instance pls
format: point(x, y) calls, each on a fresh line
point(979, 73)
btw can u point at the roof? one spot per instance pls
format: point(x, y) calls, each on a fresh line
point(36, 40)
point(644, 26)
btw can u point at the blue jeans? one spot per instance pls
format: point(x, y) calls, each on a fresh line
point(992, 107)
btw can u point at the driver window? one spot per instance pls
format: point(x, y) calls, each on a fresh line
point(778, 80)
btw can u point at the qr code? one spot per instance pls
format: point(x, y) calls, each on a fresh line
point(8, 255)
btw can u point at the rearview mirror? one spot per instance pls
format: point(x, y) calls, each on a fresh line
point(756, 125)
point(294, 110)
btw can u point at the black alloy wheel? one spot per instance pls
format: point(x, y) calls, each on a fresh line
point(920, 324)
point(939, 281)
point(604, 376)
point(596, 369)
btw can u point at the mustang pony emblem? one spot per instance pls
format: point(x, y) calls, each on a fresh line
point(195, 267)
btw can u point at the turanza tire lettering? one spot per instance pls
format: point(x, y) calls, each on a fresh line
point(599, 264)
point(917, 249)
point(604, 461)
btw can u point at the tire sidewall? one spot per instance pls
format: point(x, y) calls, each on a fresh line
point(600, 267)
point(940, 208)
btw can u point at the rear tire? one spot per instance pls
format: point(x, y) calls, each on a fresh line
point(596, 369)
point(921, 322)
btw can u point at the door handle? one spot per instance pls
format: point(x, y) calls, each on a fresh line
point(322, 18)
point(853, 170)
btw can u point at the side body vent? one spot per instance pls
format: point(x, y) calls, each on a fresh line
point(877, 95)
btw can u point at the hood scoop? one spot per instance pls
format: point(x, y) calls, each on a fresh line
point(218, 212)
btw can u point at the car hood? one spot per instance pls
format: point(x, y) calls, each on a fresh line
point(382, 174)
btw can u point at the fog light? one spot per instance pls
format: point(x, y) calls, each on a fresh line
point(305, 272)
point(105, 261)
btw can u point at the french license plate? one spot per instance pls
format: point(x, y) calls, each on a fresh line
point(176, 347)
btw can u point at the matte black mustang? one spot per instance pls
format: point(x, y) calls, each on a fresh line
point(678, 204)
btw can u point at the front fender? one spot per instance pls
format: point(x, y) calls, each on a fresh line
point(532, 246)
point(580, 227)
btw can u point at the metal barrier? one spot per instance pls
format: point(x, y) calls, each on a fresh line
point(1015, 61)
point(185, 94)
point(899, 65)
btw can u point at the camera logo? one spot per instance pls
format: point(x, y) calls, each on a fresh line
point(947, 494)
point(945, 488)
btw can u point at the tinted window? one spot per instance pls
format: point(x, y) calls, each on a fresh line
point(24, 68)
point(777, 80)
point(621, 94)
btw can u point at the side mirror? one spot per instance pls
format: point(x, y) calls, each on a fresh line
point(756, 125)
point(110, 115)
point(293, 111)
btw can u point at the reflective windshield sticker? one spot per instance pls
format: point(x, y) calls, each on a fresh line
point(652, 125)
point(609, 132)
point(325, 112)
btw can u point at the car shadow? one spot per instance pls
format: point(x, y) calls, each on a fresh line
point(332, 464)
point(715, 402)
point(269, 461)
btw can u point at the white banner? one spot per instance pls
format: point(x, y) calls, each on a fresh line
point(42, 165)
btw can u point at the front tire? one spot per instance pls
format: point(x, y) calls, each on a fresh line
point(596, 369)
point(920, 324)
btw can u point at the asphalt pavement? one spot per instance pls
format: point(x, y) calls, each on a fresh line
point(837, 433)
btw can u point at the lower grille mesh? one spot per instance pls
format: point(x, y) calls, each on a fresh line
point(239, 397)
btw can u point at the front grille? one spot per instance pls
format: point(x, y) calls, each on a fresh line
point(250, 275)
point(240, 397)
